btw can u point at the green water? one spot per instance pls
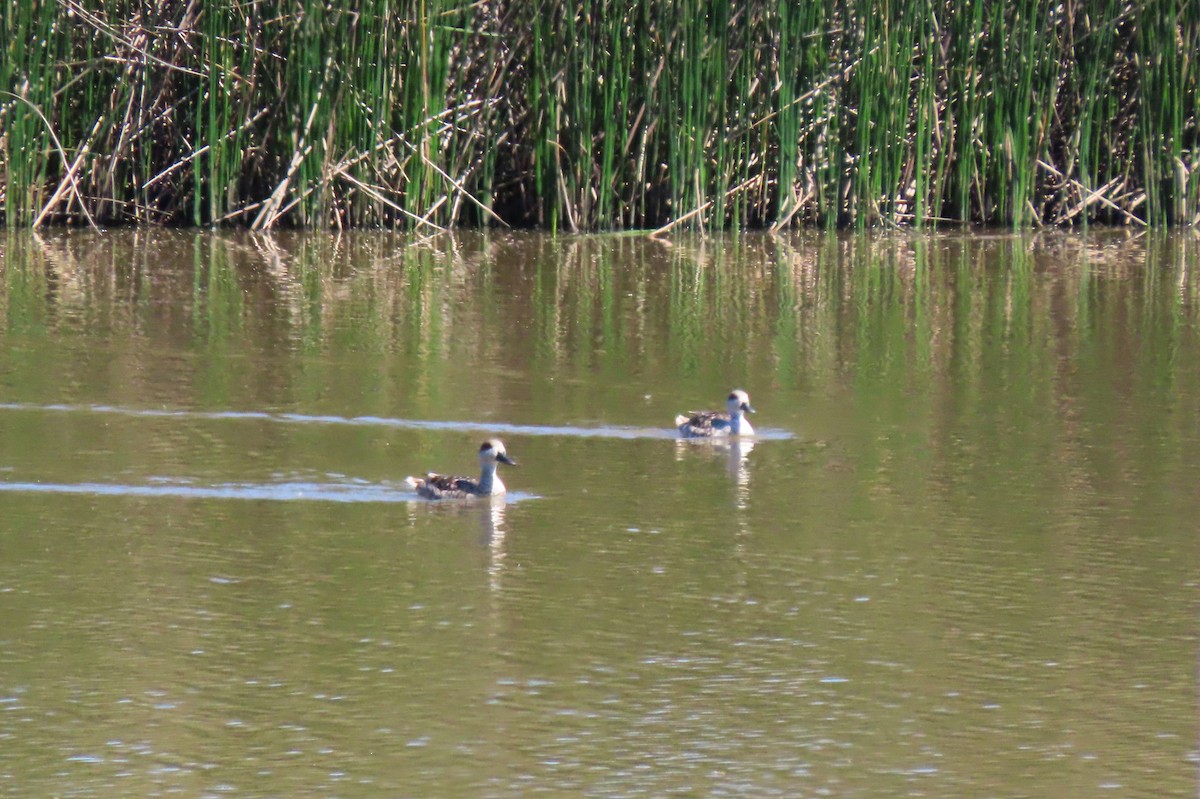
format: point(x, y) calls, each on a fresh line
point(959, 561)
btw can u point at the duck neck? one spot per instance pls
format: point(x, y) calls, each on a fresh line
point(739, 425)
point(487, 479)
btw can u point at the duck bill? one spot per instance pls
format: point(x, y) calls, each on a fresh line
point(505, 459)
point(746, 408)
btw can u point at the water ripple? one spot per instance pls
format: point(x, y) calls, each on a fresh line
point(281, 492)
point(604, 431)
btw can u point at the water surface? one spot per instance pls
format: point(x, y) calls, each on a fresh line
point(960, 560)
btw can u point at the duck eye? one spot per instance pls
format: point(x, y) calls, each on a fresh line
point(733, 396)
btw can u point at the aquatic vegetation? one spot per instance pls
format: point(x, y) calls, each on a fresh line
point(425, 114)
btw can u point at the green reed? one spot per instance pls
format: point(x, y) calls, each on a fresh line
point(600, 114)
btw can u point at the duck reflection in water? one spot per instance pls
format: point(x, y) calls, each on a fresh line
point(492, 535)
point(736, 452)
point(493, 530)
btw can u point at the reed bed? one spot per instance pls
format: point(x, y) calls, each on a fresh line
point(598, 114)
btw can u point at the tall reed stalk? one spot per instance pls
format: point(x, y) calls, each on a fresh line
point(600, 114)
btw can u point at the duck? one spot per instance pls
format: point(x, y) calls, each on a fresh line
point(444, 486)
point(730, 422)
